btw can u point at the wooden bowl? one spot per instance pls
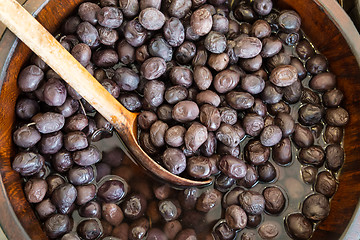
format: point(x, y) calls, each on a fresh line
point(324, 22)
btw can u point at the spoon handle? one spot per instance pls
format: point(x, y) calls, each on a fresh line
point(40, 41)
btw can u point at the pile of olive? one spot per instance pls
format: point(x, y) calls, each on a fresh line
point(225, 93)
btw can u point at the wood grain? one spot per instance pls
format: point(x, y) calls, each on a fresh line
point(321, 31)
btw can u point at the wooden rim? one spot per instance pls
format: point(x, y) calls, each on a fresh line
point(50, 14)
point(10, 225)
point(346, 26)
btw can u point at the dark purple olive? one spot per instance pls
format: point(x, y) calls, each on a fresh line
point(69, 107)
point(112, 213)
point(112, 190)
point(158, 47)
point(153, 68)
point(81, 175)
point(45, 209)
point(283, 75)
point(151, 18)
point(174, 160)
point(208, 200)
point(199, 167)
point(201, 22)
point(87, 12)
point(316, 64)
point(253, 124)
point(74, 141)
point(240, 100)
point(232, 167)
point(26, 108)
point(289, 21)
point(53, 181)
point(129, 8)
point(316, 207)
point(338, 117)
point(90, 209)
point(267, 172)
point(174, 32)
point(302, 136)
point(134, 206)
point(88, 34)
point(244, 13)
point(51, 143)
point(35, 190)
point(85, 193)
point(138, 229)
point(215, 42)
point(256, 153)
point(299, 226)
point(26, 136)
point(195, 136)
point(252, 202)
point(271, 93)
point(185, 52)
point(274, 200)
point(134, 33)
point(334, 157)
point(232, 197)
point(262, 7)
point(286, 123)
point(187, 233)
point(323, 82)
point(248, 47)
point(304, 49)
point(223, 183)
point(28, 163)
point(260, 29)
point(110, 17)
point(326, 184)
point(270, 135)
point(29, 78)
point(48, 122)
point(282, 152)
point(82, 53)
point(268, 230)
point(89, 229)
point(169, 209)
point(57, 225)
point(64, 197)
point(308, 174)
point(235, 217)
point(87, 156)
point(314, 155)
point(227, 134)
point(156, 234)
point(179, 8)
point(226, 80)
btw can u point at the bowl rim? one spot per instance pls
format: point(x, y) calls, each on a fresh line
point(8, 44)
point(348, 30)
point(343, 23)
point(11, 227)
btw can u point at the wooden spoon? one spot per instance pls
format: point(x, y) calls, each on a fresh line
point(40, 41)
